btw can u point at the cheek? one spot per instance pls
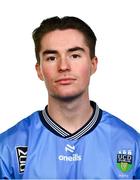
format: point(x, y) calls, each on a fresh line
point(85, 72)
point(47, 75)
point(84, 75)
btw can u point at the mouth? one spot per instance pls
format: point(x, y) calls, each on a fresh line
point(65, 81)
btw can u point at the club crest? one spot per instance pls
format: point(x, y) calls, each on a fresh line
point(124, 160)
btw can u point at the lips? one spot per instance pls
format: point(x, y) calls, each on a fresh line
point(65, 81)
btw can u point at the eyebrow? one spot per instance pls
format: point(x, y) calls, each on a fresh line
point(76, 49)
point(49, 51)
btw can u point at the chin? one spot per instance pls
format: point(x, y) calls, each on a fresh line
point(68, 97)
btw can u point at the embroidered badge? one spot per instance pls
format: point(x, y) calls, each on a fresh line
point(124, 160)
point(22, 156)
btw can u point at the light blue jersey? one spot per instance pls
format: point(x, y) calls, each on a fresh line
point(38, 148)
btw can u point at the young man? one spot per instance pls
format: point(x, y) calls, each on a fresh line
point(72, 138)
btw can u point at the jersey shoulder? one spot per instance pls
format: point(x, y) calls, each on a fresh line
point(119, 126)
point(123, 140)
point(18, 131)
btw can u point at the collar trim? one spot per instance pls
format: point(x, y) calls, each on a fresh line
point(60, 131)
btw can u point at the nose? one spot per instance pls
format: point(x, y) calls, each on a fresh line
point(63, 65)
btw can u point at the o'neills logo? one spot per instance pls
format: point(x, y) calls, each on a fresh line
point(73, 157)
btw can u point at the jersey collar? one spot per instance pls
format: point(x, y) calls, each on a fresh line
point(50, 124)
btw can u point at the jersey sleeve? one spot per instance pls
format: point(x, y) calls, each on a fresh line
point(137, 174)
point(5, 168)
point(4, 171)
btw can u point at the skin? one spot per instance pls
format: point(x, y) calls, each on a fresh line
point(66, 67)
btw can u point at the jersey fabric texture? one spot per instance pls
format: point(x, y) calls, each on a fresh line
point(38, 148)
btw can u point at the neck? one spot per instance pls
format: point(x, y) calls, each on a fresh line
point(70, 115)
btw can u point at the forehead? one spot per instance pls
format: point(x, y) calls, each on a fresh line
point(63, 39)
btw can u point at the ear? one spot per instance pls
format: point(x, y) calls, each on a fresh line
point(94, 62)
point(38, 70)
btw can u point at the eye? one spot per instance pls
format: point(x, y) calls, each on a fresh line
point(75, 56)
point(51, 58)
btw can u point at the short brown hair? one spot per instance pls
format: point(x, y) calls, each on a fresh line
point(67, 22)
